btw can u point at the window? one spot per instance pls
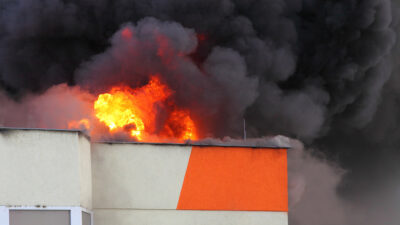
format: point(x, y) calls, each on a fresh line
point(86, 218)
point(53, 215)
point(40, 217)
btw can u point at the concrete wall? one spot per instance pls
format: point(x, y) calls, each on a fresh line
point(141, 184)
point(48, 168)
point(85, 171)
point(187, 217)
point(137, 176)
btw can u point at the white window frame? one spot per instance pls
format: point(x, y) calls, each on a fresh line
point(74, 212)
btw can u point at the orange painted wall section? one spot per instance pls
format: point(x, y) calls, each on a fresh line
point(231, 178)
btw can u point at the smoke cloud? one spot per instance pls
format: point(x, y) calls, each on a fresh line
point(322, 71)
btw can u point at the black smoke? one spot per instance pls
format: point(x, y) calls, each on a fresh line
point(323, 71)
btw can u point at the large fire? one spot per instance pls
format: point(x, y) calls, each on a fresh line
point(124, 109)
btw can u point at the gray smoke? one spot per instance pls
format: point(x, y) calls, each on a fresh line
point(151, 47)
point(322, 71)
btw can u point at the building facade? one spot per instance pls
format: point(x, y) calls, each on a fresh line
point(59, 177)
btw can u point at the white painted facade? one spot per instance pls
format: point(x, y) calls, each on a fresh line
point(50, 168)
point(188, 217)
point(141, 176)
point(45, 170)
point(121, 184)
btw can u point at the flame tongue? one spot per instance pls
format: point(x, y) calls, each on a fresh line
point(133, 109)
point(179, 124)
point(116, 110)
point(82, 124)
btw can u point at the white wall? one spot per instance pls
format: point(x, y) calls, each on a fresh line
point(187, 217)
point(138, 176)
point(131, 184)
point(49, 168)
point(140, 184)
point(85, 172)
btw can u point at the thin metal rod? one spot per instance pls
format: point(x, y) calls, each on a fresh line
point(244, 129)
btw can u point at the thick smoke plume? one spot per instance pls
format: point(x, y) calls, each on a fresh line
point(152, 47)
point(322, 71)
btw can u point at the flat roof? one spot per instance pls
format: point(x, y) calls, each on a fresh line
point(44, 129)
point(208, 142)
point(192, 144)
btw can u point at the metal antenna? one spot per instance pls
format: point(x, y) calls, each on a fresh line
point(244, 128)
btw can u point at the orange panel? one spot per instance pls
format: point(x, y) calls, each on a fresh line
point(231, 178)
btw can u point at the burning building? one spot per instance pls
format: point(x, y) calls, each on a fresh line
point(144, 89)
point(61, 177)
point(321, 71)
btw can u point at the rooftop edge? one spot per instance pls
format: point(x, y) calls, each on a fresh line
point(187, 143)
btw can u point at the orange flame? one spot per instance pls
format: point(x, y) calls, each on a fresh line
point(133, 110)
point(180, 125)
point(79, 124)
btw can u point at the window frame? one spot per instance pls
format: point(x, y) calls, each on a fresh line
point(74, 212)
